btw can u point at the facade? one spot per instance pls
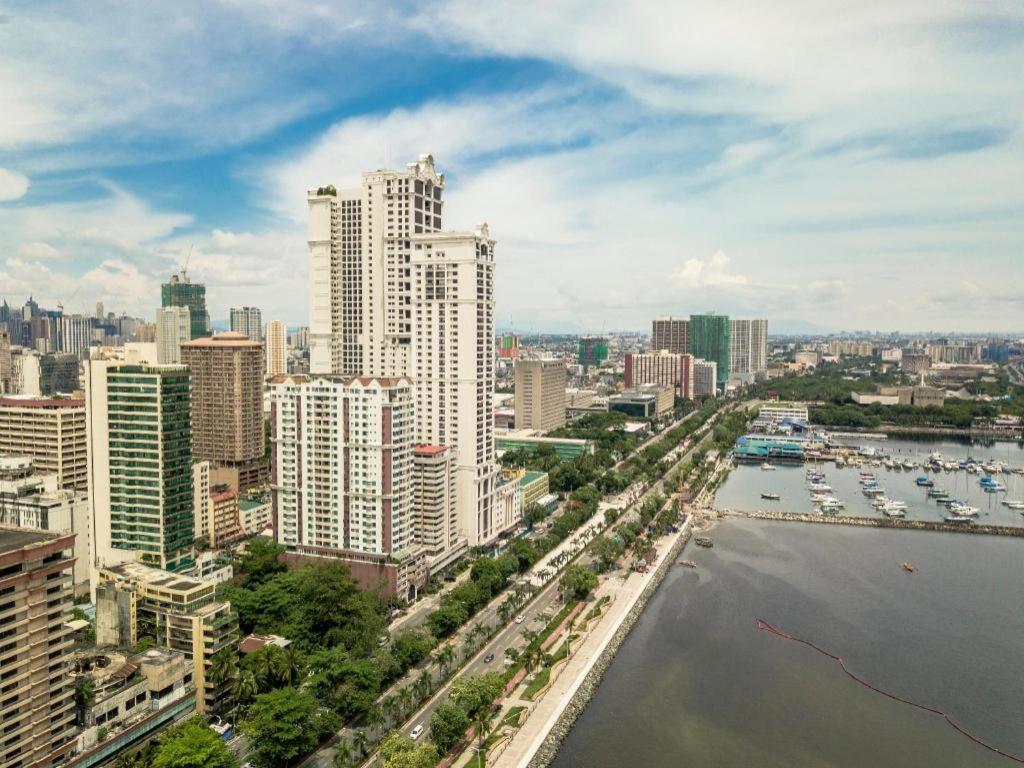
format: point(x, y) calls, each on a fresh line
point(181, 292)
point(25, 373)
point(748, 348)
point(227, 405)
point(669, 369)
point(508, 505)
point(851, 348)
point(58, 373)
point(540, 394)
point(671, 334)
point(393, 296)
point(437, 524)
point(593, 350)
point(50, 432)
point(178, 612)
point(256, 514)
point(342, 475)
point(915, 362)
point(6, 364)
point(173, 328)
point(202, 501)
point(807, 358)
point(37, 707)
point(533, 486)
point(33, 500)
point(277, 348)
point(139, 463)
point(709, 340)
point(955, 353)
point(647, 401)
point(705, 378)
point(772, 416)
point(247, 321)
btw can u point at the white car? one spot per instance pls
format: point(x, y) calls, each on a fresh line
point(520, 619)
point(415, 732)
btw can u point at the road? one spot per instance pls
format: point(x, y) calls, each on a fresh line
point(537, 612)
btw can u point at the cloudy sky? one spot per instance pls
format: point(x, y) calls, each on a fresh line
point(827, 164)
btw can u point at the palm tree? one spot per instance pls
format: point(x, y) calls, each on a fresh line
point(390, 708)
point(404, 699)
point(478, 631)
point(343, 759)
point(482, 719)
point(505, 612)
point(425, 683)
point(291, 666)
point(568, 633)
point(223, 666)
point(245, 688)
point(360, 741)
point(445, 658)
point(374, 718)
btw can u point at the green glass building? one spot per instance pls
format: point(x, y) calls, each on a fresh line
point(180, 292)
point(709, 340)
point(593, 350)
point(150, 458)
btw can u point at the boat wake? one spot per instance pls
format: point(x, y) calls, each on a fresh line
point(764, 626)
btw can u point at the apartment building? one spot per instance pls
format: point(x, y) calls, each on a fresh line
point(437, 526)
point(33, 500)
point(705, 378)
point(180, 291)
point(247, 321)
point(139, 463)
point(176, 611)
point(227, 406)
point(709, 340)
point(671, 334)
point(37, 695)
point(748, 348)
point(173, 328)
point(342, 475)
point(540, 394)
point(392, 295)
point(669, 369)
point(277, 348)
point(51, 432)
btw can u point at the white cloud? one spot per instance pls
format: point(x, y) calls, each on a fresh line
point(37, 250)
point(714, 272)
point(12, 185)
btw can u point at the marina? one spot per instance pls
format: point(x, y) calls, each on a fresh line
point(942, 482)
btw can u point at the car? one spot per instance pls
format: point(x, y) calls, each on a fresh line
point(415, 732)
point(488, 658)
point(520, 619)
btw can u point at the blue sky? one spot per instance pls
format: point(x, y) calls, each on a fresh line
point(825, 164)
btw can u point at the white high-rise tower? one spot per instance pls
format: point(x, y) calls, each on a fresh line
point(391, 295)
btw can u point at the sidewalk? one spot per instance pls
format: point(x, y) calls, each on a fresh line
point(548, 709)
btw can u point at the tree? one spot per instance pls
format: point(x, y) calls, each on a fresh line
point(361, 741)
point(399, 751)
point(343, 754)
point(578, 581)
point(245, 688)
point(223, 666)
point(476, 695)
point(445, 658)
point(448, 724)
point(261, 560)
point(534, 513)
point(487, 576)
point(85, 696)
point(193, 745)
point(284, 725)
point(448, 617)
point(410, 648)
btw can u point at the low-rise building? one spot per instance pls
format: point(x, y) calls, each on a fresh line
point(644, 402)
point(530, 440)
point(256, 514)
point(773, 416)
point(176, 611)
point(508, 506)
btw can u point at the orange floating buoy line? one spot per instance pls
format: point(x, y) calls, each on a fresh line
point(764, 626)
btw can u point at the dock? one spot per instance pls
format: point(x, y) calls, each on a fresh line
point(879, 522)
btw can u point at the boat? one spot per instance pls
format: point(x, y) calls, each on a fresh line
point(688, 563)
point(958, 519)
point(908, 464)
point(963, 510)
point(770, 496)
point(1013, 504)
point(924, 482)
point(767, 467)
point(873, 491)
point(819, 487)
point(907, 567)
point(703, 541)
point(937, 493)
point(893, 509)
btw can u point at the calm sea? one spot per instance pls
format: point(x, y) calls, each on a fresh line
point(697, 685)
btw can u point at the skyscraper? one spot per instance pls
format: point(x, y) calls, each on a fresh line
point(181, 292)
point(277, 348)
point(672, 334)
point(540, 394)
point(709, 340)
point(390, 295)
point(748, 348)
point(593, 350)
point(74, 335)
point(227, 406)
point(173, 328)
point(140, 463)
point(247, 321)
point(341, 451)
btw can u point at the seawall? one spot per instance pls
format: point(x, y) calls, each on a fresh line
point(880, 522)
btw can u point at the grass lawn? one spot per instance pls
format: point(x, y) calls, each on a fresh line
point(538, 682)
point(511, 717)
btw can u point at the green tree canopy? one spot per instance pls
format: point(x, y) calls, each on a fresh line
point(448, 724)
point(399, 751)
point(578, 581)
point(284, 725)
point(192, 745)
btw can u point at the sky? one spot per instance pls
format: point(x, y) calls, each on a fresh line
point(825, 164)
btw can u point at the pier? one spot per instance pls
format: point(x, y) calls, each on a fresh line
point(879, 522)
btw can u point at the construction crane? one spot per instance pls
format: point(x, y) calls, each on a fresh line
point(60, 304)
point(188, 258)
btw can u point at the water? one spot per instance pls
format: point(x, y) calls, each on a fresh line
point(696, 685)
point(742, 489)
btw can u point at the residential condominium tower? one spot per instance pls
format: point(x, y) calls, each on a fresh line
point(748, 348)
point(671, 334)
point(173, 328)
point(277, 348)
point(140, 463)
point(342, 475)
point(663, 367)
point(227, 406)
point(709, 340)
point(247, 321)
point(50, 432)
point(391, 295)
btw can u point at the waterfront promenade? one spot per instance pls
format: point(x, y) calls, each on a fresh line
point(878, 522)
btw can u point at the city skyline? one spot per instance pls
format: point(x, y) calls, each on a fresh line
point(829, 177)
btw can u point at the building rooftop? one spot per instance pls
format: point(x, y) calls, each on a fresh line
point(30, 401)
point(429, 450)
point(145, 574)
point(225, 339)
point(531, 477)
point(12, 538)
